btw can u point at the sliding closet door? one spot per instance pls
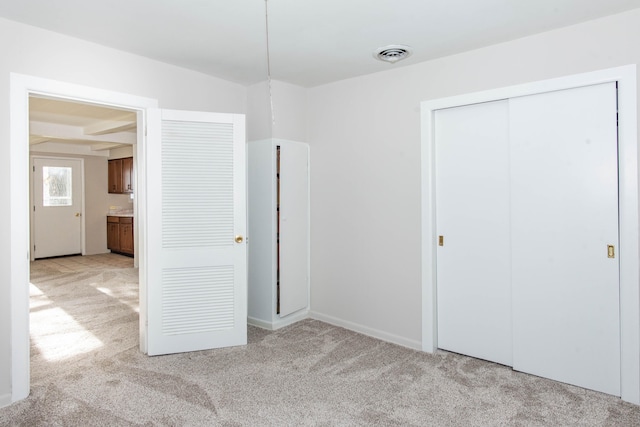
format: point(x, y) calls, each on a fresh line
point(472, 214)
point(564, 209)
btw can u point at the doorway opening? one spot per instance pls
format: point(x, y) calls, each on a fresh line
point(22, 88)
point(76, 300)
point(69, 145)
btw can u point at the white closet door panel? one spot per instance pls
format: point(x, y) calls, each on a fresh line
point(564, 214)
point(262, 214)
point(294, 227)
point(472, 214)
point(196, 291)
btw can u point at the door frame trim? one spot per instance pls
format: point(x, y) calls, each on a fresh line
point(83, 241)
point(21, 86)
point(629, 250)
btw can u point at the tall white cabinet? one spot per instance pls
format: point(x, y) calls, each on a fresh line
point(278, 238)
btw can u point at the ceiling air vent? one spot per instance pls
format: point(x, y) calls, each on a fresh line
point(392, 53)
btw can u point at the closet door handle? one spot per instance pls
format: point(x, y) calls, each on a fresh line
point(239, 239)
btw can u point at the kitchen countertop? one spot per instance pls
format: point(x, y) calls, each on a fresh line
point(122, 214)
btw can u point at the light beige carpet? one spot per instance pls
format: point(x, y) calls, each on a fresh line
point(87, 370)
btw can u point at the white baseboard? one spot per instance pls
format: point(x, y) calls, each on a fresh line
point(263, 324)
point(5, 400)
point(280, 323)
point(365, 330)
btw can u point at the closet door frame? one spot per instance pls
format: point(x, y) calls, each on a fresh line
point(629, 250)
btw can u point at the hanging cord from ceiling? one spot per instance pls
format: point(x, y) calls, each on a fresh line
point(266, 22)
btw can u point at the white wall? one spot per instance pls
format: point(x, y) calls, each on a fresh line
point(365, 139)
point(289, 117)
point(32, 51)
point(119, 153)
point(259, 122)
point(289, 111)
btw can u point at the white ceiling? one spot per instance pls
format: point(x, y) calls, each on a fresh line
point(312, 42)
point(64, 122)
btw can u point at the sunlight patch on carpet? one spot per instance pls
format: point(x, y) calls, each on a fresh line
point(129, 299)
point(56, 334)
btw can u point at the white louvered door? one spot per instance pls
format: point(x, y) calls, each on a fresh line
point(196, 267)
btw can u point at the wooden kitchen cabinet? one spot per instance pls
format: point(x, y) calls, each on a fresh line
point(121, 175)
point(120, 235)
point(115, 176)
point(126, 235)
point(127, 175)
point(113, 233)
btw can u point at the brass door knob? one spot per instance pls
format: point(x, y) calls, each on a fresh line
point(78, 214)
point(239, 239)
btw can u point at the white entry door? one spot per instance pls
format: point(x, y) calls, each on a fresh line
point(527, 194)
point(57, 207)
point(196, 252)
